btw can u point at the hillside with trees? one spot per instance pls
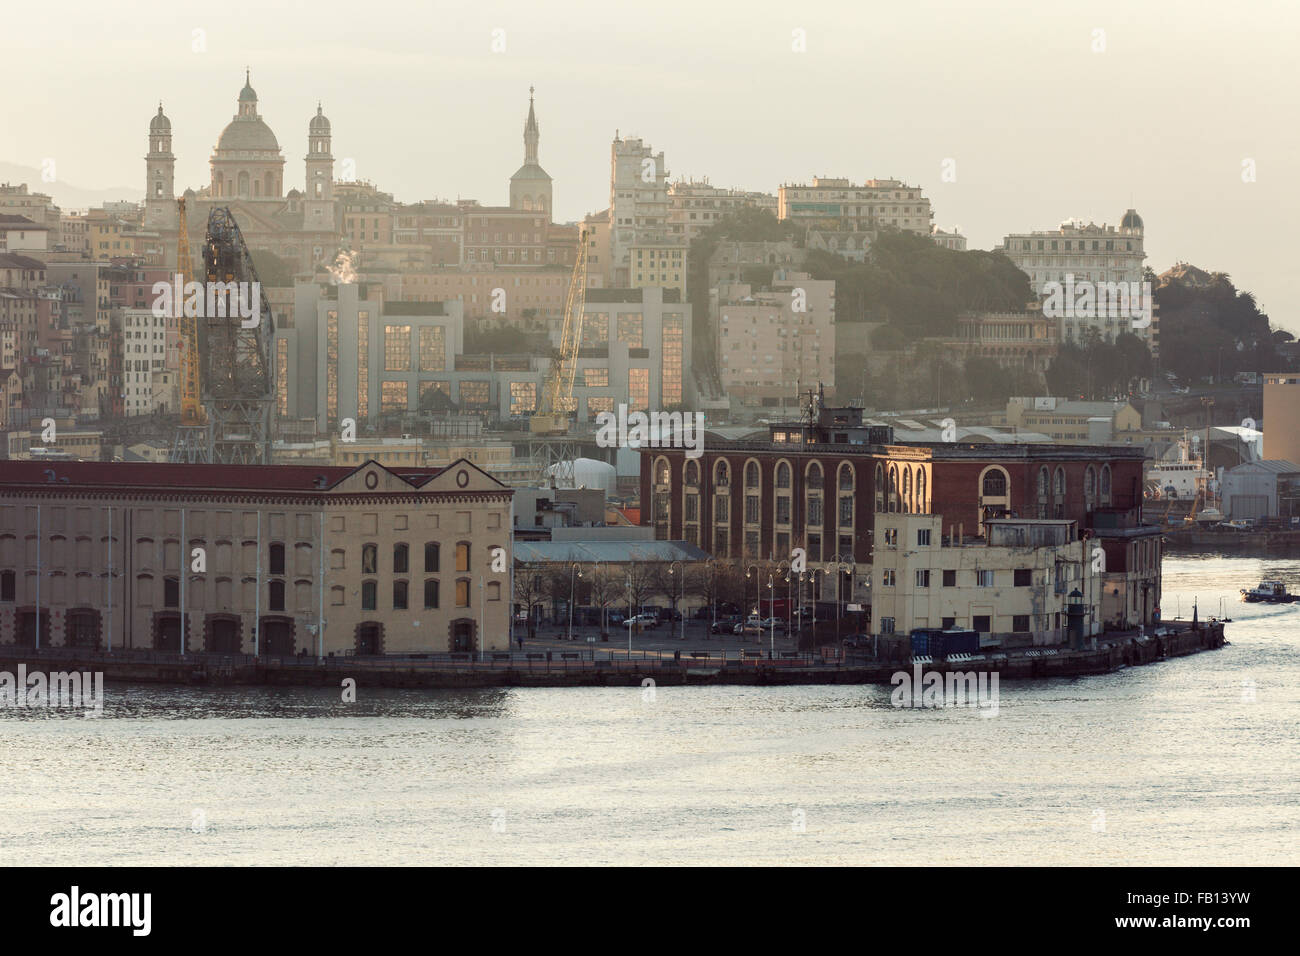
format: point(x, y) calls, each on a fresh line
point(1210, 329)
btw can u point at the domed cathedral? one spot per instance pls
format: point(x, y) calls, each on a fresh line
point(530, 187)
point(247, 163)
point(247, 174)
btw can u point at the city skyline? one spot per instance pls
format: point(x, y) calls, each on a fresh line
point(462, 138)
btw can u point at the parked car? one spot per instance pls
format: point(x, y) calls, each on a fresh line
point(645, 622)
point(857, 640)
point(748, 627)
point(725, 625)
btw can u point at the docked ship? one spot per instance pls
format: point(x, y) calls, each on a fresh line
point(1268, 592)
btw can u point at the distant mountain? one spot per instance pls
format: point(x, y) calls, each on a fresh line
point(65, 195)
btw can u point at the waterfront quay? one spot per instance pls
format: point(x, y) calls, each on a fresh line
point(588, 665)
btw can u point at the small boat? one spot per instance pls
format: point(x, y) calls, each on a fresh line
point(1269, 592)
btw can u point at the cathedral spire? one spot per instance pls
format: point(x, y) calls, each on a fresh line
point(530, 133)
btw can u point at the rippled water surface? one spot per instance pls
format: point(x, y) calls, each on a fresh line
point(1192, 761)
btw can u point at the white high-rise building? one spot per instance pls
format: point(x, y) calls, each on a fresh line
point(638, 204)
point(1088, 253)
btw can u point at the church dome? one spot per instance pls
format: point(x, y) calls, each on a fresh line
point(246, 134)
point(160, 123)
point(248, 94)
point(319, 123)
point(1131, 220)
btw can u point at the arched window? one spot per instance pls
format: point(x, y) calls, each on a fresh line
point(1059, 482)
point(1042, 482)
point(432, 556)
point(462, 557)
point(276, 596)
point(401, 558)
point(661, 471)
point(907, 490)
point(462, 592)
point(1090, 488)
point(783, 475)
point(369, 594)
point(277, 559)
point(995, 484)
point(893, 488)
point(692, 472)
point(171, 592)
point(878, 486)
point(399, 595)
point(922, 503)
point(369, 560)
point(721, 473)
point(431, 593)
point(751, 475)
point(7, 586)
point(814, 513)
point(1105, 485)
point(846, 477)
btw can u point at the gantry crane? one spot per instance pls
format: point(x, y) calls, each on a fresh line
point(191, 443)
point(191, 410)
point(556, 400)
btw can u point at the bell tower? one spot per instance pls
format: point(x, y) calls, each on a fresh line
point(160, 173)
point(318, 197)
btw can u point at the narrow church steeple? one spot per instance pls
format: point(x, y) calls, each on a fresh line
point(530, 133)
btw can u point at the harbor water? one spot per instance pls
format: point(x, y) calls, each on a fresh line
point(1191, 761)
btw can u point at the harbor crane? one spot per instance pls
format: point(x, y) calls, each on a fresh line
point(556, 401)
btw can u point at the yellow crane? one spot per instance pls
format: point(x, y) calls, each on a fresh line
point(556, 401)
point(191, 410)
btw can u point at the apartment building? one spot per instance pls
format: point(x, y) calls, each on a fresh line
point(695, 205)
point(771, 342)
point(832, 203)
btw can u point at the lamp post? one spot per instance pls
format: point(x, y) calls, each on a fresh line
point(841, 561)
point(574, 568)
point(758, 585)
point(814, 595)
point(631, 625)
point(789, 597)
point(771, 621)
point(672, 569)
point(604, 599)
point(713, 593)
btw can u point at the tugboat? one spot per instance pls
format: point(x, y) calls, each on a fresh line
point(1269, 592)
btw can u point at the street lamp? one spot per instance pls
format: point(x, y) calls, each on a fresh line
point(713, 593)
point(573, 568)
point(841, 562)
point(672, 570)
point(815, 595)
point(789, 596)
point(771, 621)
point(631, 625)
point(604, 600)
point(758, 593)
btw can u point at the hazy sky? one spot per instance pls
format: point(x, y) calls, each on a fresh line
point(1041, 127)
